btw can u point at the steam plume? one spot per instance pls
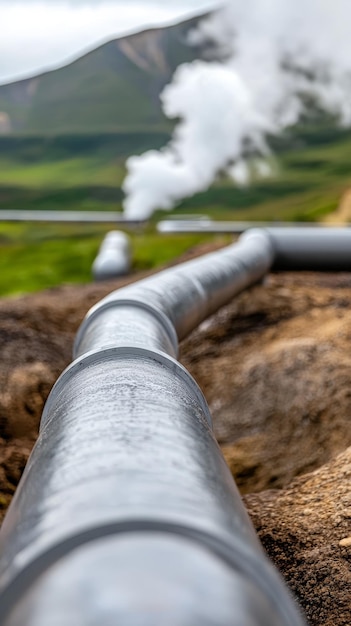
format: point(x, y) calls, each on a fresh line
point(274, 53)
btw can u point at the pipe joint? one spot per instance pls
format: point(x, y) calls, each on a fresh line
point(126, 321)
point(119, 353)
point(126, 438)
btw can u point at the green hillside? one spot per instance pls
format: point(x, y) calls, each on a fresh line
point(115, 87)
point(69, 132)
point(68, 171)
point(311, 172)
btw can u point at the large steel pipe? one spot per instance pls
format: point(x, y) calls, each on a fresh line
point(127, 513)
point(183, 296)
point(310, 248)
point(114, 256)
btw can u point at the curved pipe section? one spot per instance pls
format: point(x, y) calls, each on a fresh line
point(207, 225)
point(185, 295)
point(127, 462)
point(127, 512)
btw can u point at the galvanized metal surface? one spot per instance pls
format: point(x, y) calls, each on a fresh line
point(188, 293)
point(126, 449)
point(197, 589)
point(114, 256)
point(127, 505)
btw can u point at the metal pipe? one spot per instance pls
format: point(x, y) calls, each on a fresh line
point(95, 217)
point(323, 249)
point(114, 256)
point(235, 227)
point(185, 295)
point(126, 512)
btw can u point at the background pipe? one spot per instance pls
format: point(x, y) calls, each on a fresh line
point(206, 225)
point(184, 295)
point(310, 248)
point(127, 512)
point(114, 256)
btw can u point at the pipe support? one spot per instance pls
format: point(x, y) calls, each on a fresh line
point(189, 293)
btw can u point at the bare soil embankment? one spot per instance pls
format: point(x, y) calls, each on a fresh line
point(275, 366)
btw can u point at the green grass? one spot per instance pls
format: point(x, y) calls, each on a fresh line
point(311, 172)
point(35, 257)
point(70, 172)
point(78, 172)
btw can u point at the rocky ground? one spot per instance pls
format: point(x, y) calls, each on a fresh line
point(275, 366)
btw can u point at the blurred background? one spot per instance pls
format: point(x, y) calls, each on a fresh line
point(80, 86)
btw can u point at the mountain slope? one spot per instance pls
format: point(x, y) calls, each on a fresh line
point(114, 87)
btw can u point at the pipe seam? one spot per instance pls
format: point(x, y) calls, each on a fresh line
point(190, 292)
point(104, 305)
point(127, 411)
point(122, 352)
point(235, 556)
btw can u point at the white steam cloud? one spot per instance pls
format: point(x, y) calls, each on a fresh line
point(275, 52)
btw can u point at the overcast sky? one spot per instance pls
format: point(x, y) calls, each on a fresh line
point(40, 34)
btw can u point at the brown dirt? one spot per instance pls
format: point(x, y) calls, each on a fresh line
point(275, 366)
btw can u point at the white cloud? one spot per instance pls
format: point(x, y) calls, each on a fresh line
point(38, 34)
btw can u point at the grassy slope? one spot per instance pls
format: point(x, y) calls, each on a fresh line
point(35, 257)
point(312, 172)
point(79, 130)
point(68, 172)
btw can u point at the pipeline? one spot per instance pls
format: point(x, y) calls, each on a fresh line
point(126, 512)
point(114, 256)
point(203, 224)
